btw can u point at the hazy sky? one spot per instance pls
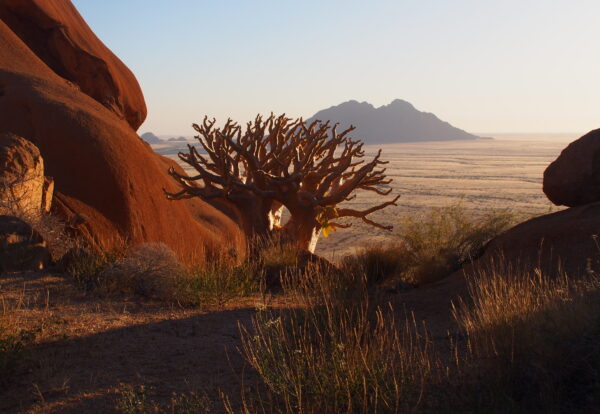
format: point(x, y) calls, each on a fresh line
point(482, 65)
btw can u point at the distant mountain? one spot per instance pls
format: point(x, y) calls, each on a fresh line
point(397, 122)
point(177, 139)
point(150, 138)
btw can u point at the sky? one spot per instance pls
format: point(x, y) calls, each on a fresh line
point(486, 66)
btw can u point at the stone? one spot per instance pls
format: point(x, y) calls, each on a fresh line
point(563, 241)
point(21, 247)
point(101, 169)
point(573, 179)
point(23, 188)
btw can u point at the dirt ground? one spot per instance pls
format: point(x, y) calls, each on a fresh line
point(86, 347)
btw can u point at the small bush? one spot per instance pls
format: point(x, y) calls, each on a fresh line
point(442, 240)
point(87, 267)
point(136, 400)
point(217, 283)
point(430, 246)
point(378, 262)
point(150, 270)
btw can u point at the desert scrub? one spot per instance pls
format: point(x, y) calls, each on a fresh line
point(13, 340)
point(430, 246)
point(217, 283)
point(86, 267)
point(275, 259)
point(533, 342)
point(139, 400)
point(334, 355)
point(150, 270)
point(378, 262)
point(440, 241)
point(153, 271)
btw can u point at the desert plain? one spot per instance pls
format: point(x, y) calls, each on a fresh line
point(505, 172)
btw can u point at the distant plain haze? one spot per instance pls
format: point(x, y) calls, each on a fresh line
point(484, 66)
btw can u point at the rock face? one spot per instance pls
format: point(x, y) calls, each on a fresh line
point(58, 35)
point(566, 240)
point(21, 247)
point(563, 240)
point(23, 188)
point(573, 179)
point(105, 176)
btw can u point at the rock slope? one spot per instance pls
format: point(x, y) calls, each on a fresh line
point(105, 175)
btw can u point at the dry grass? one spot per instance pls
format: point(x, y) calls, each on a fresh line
point(430, 246)
point(533, 341)
point(14, 337)
point(336, 352)
point(152, 271)
point(527, 344)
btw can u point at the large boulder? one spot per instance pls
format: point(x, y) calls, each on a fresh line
point(105, 176)
point(563, 241)
point(23, 188)
point(57, 34)
point(573, 179)
point(21, 247)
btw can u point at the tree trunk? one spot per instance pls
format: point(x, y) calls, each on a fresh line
point(303, 230)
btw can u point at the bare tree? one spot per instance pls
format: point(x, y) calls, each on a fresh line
point(276, 162)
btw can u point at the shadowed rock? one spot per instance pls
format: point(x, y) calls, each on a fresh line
point(573, 179)
point(21, 247)
point(566, 239)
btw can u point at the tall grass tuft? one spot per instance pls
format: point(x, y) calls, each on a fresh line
point(444, 238)
point(336, 352)
point(533, 341)
point(525, 343)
